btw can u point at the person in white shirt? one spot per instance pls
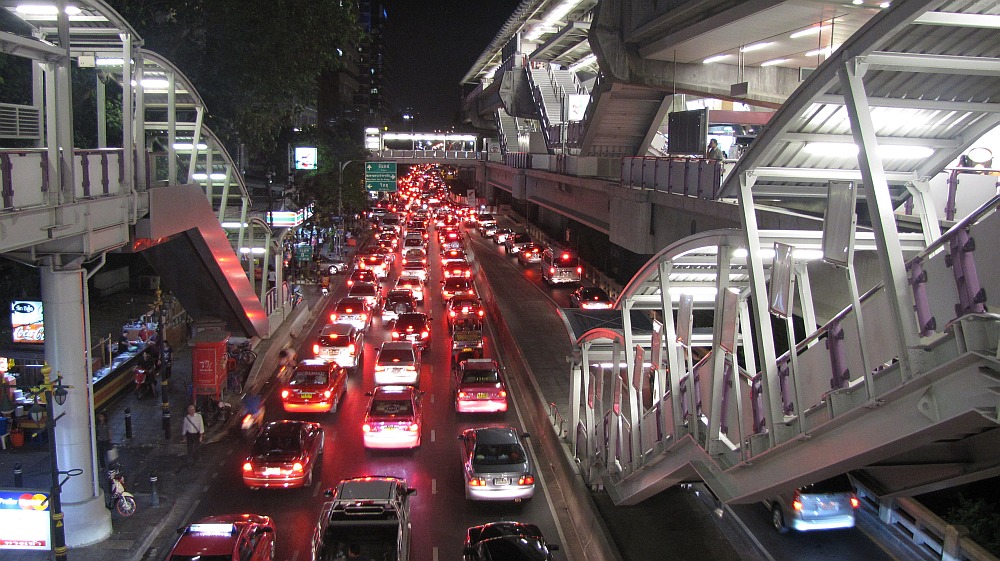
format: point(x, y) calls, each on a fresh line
point(194, 433)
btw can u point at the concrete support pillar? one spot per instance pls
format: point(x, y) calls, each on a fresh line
point(64, 291)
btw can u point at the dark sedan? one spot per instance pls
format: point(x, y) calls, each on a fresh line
point(284, 454)
point(507, 540)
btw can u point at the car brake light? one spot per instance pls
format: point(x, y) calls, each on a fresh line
point(452, 313)
point(855, 503)
point(579, 270)
point(351, 348)
point(503, 393)
point(462, 395)
point(297, 466)
point(481, 312)
point(364, 317)
point(366, 427)
point(379, 368)
point(350, 282)
point(284, 393)
point(552, 270)
point(333, 318)
point(411, 368)
point(526, 479)
point(797, 504)
point(316, 349)
point(413, 427)
point(477, 482)
point(247, 466)
point(395, 335)
point(425, 334)
point(327, 393)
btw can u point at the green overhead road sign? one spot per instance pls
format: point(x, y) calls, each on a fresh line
point(380, 176)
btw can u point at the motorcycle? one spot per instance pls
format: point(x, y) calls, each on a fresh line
point(144, 382)
point(251, 424)
point(121, 500)
point(215, 411)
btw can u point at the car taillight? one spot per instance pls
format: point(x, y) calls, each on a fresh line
point(284, 393)
point(855, 503)
point(297, 466)
point(477, 482)
point(351, 282)
point(379, 368)
point(552, 270)
point(351, 348)
point(247, 466)
point(366, 427)
point(462, 395)
point(452, 313)
point(526, 479)
point(364, 317)
point(411, 368)
point(395, 335)
point(481, 313)
point(413, 427)
point(797, 504)
point(333, 318)
point(503, 393)
point(425, 334)
point(579, 270)
point(316, 349)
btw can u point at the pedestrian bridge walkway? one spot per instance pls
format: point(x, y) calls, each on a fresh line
point(760, 360)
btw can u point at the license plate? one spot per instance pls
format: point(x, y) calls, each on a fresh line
point(306, 395)
point(501, 481)
point(272, 471)
point(481, 396)
point(466, 349)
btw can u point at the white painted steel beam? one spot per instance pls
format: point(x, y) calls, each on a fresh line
point(953, 19)
point(923, 104)
point(826, 174)
point(890, 140)
point(932, 64)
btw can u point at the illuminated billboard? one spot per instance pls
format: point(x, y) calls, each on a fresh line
point(26, 319)
point(24, 520)
point(305, 157)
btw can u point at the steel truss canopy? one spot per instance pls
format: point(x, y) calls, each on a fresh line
point(558, 27)
point(930, 77)
point(94, 26)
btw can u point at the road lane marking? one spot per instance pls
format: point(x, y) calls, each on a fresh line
point(434, 555)
point(318, 487)
point(433, 435)
point(434, 486)
point(215, 475)
point(205, 489)
point(295, 555)
point(432, 398)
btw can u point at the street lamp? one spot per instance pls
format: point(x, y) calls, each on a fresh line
point(51, 393)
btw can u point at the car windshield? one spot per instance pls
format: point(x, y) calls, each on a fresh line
point(839, 484)
point(521, 238)
point(395, 355)
point(569, 261)
point(307, 378)
point(480, 376)
point(497, 454)
point(391, 408)
point(363, 290)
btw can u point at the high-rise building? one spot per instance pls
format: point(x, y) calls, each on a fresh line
point(373, 96)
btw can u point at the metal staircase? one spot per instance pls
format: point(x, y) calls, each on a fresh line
point(507, 127)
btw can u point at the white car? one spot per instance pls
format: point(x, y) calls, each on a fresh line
point(342, 343)
point(414, 284)
point(397, 363)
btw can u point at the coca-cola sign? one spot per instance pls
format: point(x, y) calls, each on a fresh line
point(26, 319)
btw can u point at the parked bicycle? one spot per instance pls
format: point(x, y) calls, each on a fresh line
point(215, 411)
point(121, 500)
point(240, 354)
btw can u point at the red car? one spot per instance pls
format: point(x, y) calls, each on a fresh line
point(480, 387)
point(284, 454)
point(247, 537)
point(316, 386)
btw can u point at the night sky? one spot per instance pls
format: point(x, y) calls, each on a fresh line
point(431, 46)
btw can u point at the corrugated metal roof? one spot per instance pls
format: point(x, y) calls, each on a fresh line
point(932, 79)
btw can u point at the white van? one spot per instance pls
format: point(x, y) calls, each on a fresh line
point(561, 265)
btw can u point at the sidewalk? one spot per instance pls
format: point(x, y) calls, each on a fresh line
point(148, 453)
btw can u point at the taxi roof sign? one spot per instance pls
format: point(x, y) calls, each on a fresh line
point(212, 529)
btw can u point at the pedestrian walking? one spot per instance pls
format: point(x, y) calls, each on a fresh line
point(714, 152)
point(102, 433)
point(194, 433)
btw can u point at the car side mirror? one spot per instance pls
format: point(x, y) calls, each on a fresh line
point(411, 491)
point(328, 493)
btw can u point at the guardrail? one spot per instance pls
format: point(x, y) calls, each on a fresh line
point(25, 181)
point(431, 154)
point(557, 420)
point(924, 528)
point(695, 177)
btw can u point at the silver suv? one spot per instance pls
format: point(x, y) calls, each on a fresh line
point(342, 343)
point(827, 505)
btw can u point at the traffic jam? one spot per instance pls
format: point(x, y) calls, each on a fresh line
point(396, 426)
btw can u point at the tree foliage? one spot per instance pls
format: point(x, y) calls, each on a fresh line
point(256, 64)
point(982, 519)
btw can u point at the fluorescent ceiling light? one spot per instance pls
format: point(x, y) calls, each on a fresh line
point(589, 59)
point(110, 62)
point(884, 5)
point(826, 51)
point(235, 225)
point(890, 151)
point(560, 11)
point(203, 177)
point(154, 83)
point(774, 62)
point(44, 10)
point(189, 146)
point(715, 58)
point(858, 2)
point(810, 31)
point(755, 47)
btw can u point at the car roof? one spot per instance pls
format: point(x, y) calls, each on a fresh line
point(397, 345)
point(351, 301)
point(480, 363)
point(337, 329)
point(394, 391)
